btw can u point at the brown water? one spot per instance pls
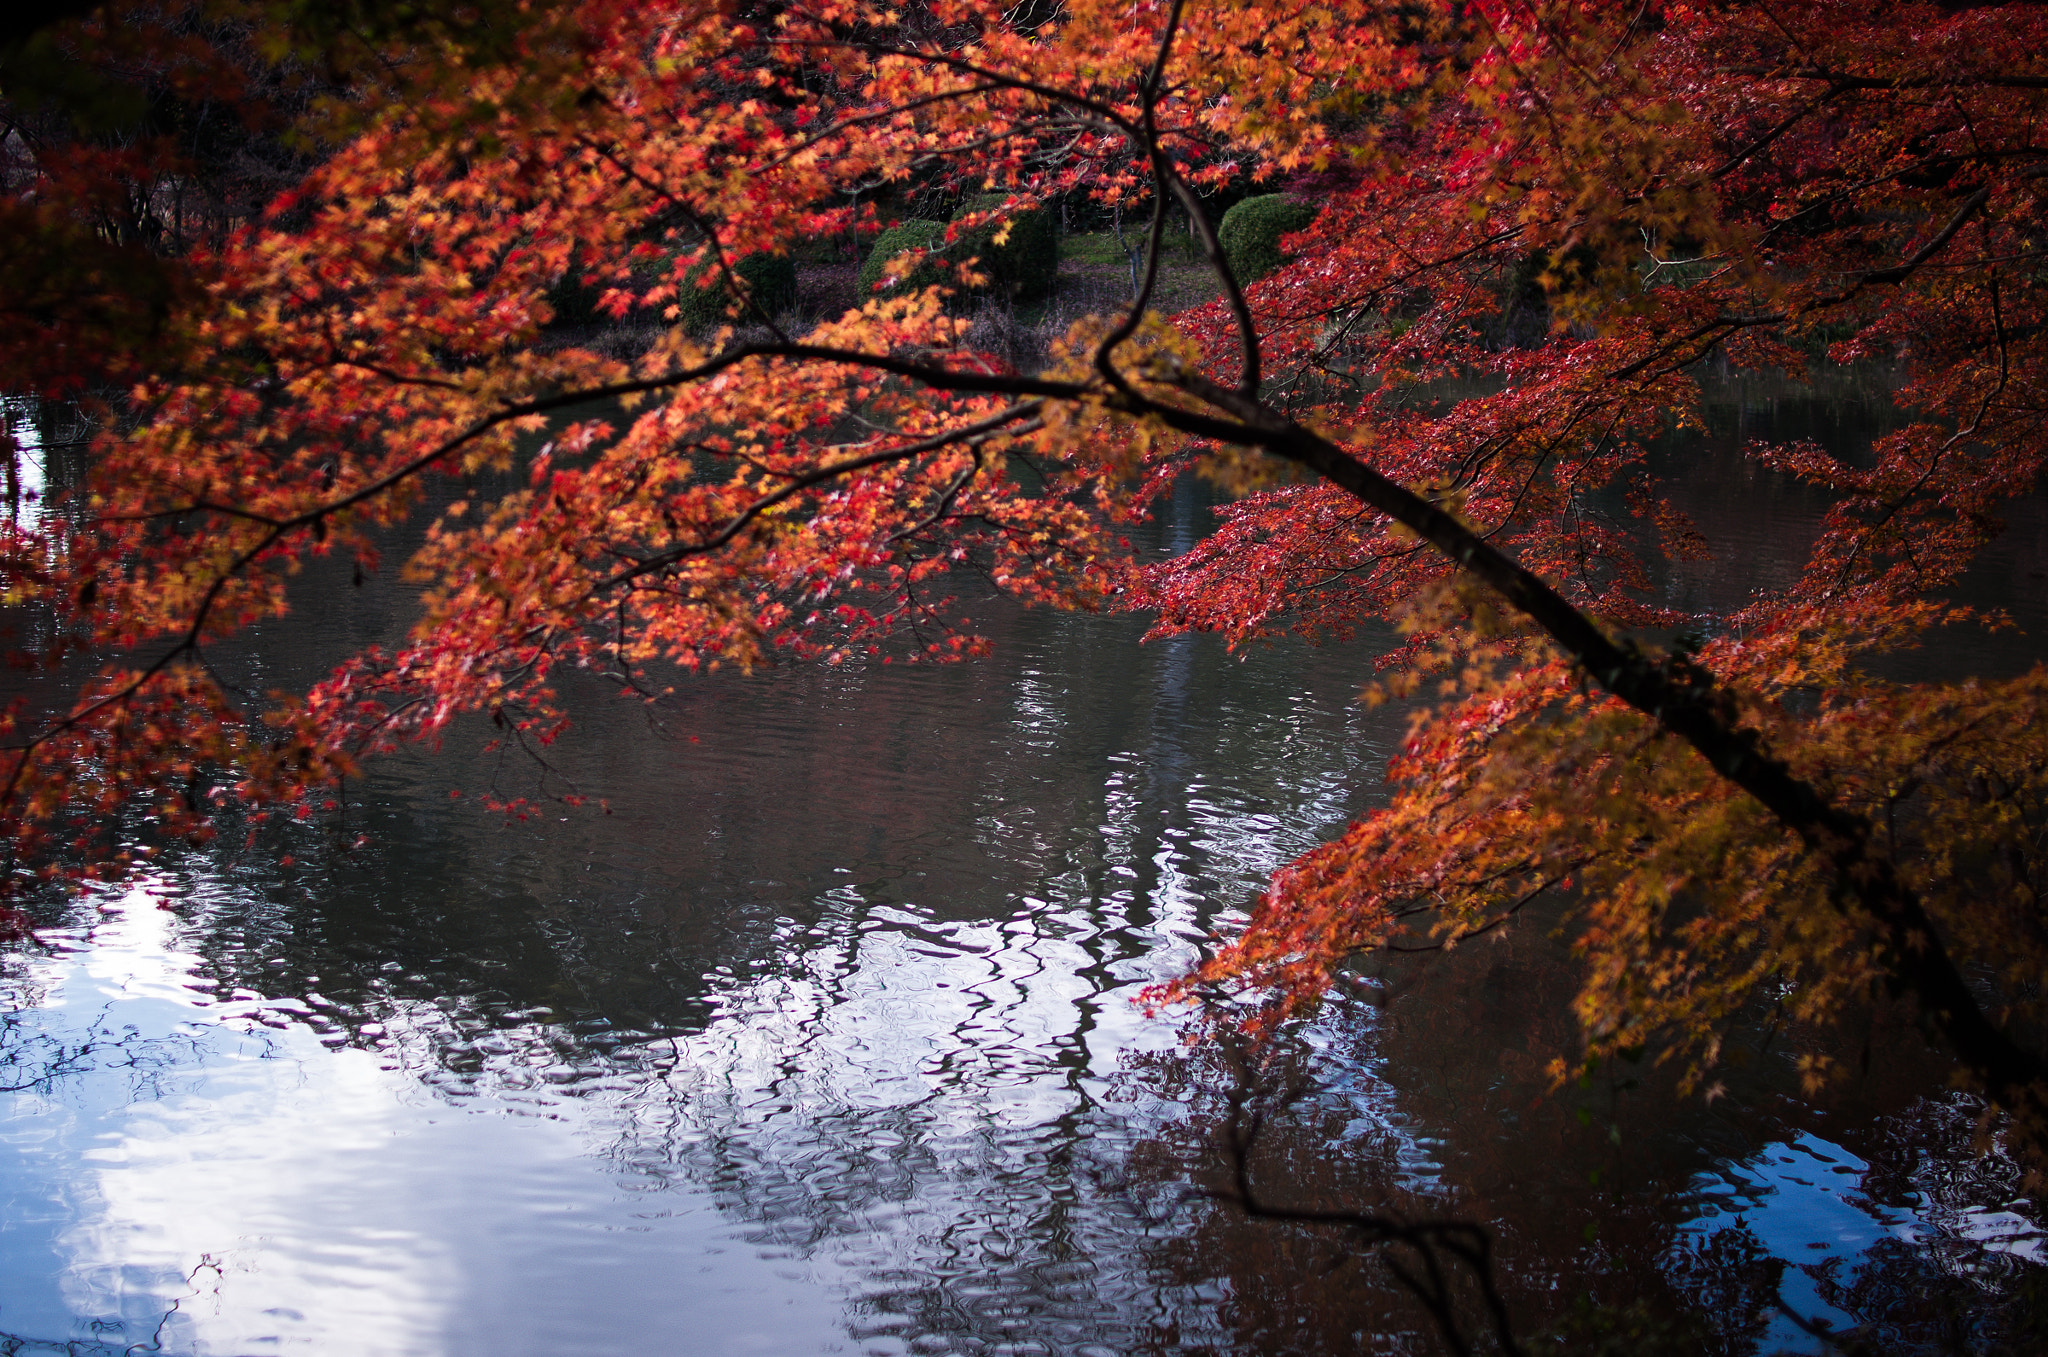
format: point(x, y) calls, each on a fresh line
point(823, 1041)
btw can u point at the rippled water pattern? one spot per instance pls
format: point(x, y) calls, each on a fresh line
point(812, 1046)
point(824, 1040)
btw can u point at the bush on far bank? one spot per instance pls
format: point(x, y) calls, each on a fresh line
point(1250, 233)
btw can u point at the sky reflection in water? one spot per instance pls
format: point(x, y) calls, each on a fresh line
point(825, 1042)
point(206, 1175)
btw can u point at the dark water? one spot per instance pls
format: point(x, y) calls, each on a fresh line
point(824, 1041)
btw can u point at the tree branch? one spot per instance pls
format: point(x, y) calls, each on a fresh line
point(1687, 701)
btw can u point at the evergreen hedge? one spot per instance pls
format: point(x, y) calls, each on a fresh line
point(573, 303)
point(770, 281)
point(910, 234)
point(1027, 264)
point(1023, 268)
point(1250, 233)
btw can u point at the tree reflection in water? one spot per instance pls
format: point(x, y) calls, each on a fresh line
point(824, 1040)
point(900, 1116)
point(1620, 1213)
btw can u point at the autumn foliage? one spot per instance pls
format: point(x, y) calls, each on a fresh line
point(1537, 222)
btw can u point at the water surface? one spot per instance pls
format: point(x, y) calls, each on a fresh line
point(824, 1039)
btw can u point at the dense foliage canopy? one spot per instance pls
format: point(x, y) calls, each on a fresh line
point(1537, 221)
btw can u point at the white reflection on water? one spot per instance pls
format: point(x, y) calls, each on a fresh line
point(890, 1122)
point(199, 1174)
point(1802, 1201)
point(23, 486)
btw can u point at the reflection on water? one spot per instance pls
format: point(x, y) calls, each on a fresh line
point(814, 1045)
point(196, 1168)
point(25, 473)
point(1802, 1201)
point(823, 1041)
point(1762, 522)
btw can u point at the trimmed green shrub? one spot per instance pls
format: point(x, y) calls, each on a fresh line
point(1026, 265)
point(769, 278)
point(910, 234)
point(1023, 268)
point(1250, 233)
point(574, 303)
point(770, 281)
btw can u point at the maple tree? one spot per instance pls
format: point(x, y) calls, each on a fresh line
point(1564, 207)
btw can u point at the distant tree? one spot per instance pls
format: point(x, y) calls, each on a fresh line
point(136, 135)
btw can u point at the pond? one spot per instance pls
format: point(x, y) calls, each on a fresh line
point(824, 1039)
